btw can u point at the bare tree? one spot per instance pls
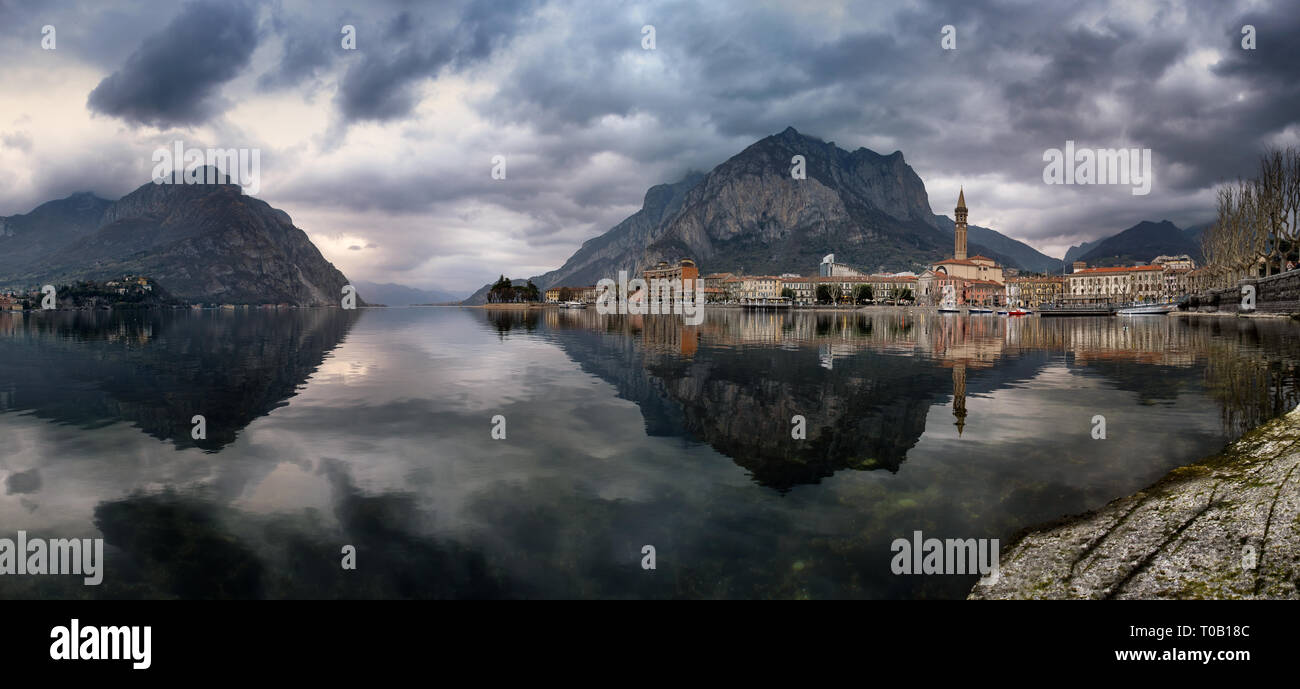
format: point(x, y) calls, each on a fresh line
point(1289, 219)
point(1267, 223)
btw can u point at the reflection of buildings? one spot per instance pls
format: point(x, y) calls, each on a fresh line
point(959, 395)
point(867, 382)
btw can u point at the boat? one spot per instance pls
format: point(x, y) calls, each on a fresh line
point(574, 305)
point(1147, 310)
point(1018, 312)
point(979, 310)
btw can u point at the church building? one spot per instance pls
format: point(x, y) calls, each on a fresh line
point(976, 280)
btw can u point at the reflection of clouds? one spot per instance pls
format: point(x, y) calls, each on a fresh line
point(399, 462)
point(1042, 436)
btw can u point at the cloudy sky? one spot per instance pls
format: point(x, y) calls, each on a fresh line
point(383, 154)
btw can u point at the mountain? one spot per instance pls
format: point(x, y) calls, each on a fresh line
point(1193, 232)
point(393, 294)
point(1076, 251)
point(200, 242)
point(1139, 244)
point(749, 215)
point(1005, 250)
point(53, 225)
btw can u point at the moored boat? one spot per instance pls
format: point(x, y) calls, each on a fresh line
point(1147, 310)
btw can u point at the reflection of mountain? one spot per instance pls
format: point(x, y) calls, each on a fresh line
point(157, 369)
point(865, 381)
point(864, 413)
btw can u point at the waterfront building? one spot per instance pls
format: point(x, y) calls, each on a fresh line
point(731, 288)
point(1177, 282)
point(1034, 291)
point(683, 270)
point(1116, 285)
point(804, 289)
point(716, 280)
point(760, 288)
point(1180, 262)
point(585, 293)
point(829, 268)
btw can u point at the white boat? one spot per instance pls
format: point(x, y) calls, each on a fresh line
point(574, 305)
point(1147, 310)
point(979, 310)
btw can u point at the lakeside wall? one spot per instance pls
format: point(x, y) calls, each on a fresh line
point(1278, 294)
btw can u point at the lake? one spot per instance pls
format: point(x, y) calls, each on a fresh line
point(374, 429)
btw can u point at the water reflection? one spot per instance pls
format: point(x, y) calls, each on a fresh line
point(865, 380)
point(157, 369)
point(329, 428)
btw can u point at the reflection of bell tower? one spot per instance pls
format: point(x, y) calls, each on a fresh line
point(959, 395)
point(959, 233)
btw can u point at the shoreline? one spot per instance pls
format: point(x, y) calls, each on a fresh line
point(1227, 526)
point(1234, 314)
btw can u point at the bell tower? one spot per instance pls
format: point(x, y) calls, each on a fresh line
point(959, 233)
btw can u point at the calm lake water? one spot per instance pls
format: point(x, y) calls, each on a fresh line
point(372, 428)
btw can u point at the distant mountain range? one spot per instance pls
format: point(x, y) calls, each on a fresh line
point(201, 242)
point(392, 294)
point(749, 215)
point(1139, 244)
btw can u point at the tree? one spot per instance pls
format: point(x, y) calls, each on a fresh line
point(824, 295)
point(531, 293)
point(862, 294)
point(502, 291)
point(1258, 222)
point(787, 293)
point(566, 294)
point(837, 294)
point(905, 295)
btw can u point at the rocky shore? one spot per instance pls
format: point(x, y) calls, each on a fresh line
point(1226, 527)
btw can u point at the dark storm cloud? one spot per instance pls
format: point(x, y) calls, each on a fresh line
point(409, 47)
point(174, 76)
point(589, 120)
point(310, 47)
point(1026, 77)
